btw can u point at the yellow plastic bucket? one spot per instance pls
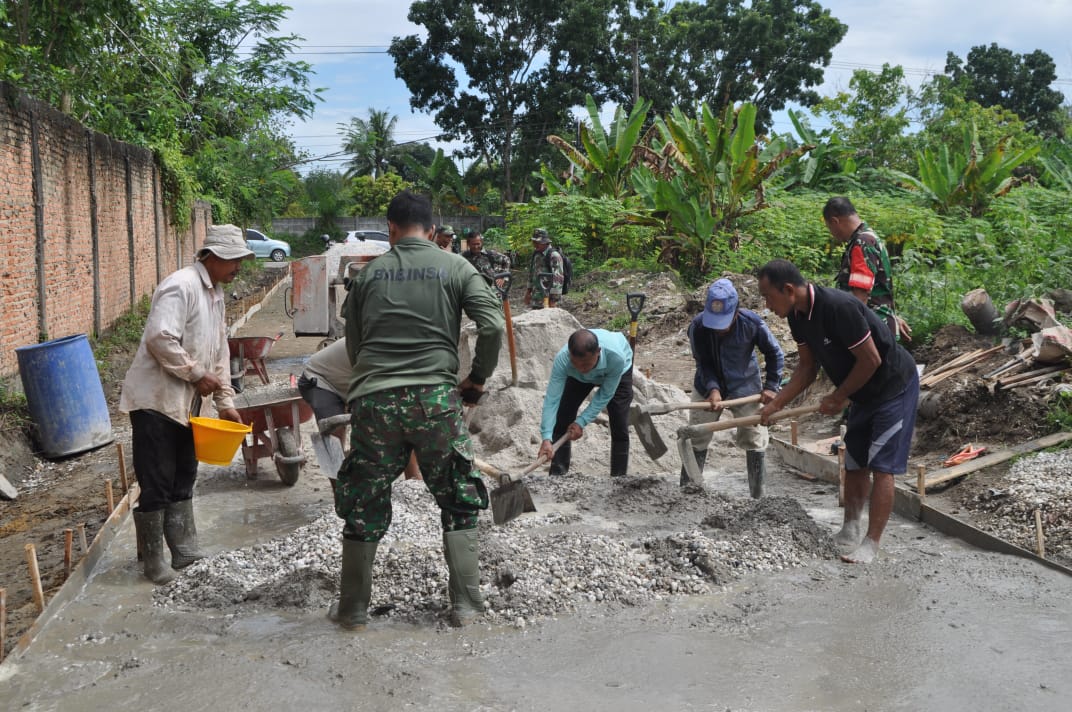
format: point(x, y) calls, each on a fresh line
point(216, 441)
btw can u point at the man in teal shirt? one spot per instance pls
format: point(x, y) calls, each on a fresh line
point(592, 357)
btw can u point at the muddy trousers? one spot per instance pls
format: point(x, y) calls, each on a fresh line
point(573, 395)
point(164, 460)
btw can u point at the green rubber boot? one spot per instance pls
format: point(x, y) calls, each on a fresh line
point(180, 533)
point(355, 584)
point(149, 527)
point(463, 562)
point(757, 470)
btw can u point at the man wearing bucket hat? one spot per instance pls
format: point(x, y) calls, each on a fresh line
point(724, 339)
point(182, 358)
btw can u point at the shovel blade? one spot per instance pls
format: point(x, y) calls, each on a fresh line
point(509, 501)
point(328, 451)
point(645, 430)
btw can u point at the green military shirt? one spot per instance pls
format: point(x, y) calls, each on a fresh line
point(403, 317)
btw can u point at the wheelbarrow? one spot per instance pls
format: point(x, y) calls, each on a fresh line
point(276, 433)
point(250, 352)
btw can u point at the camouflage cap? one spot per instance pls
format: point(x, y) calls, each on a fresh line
point(445, 230)
point(540, 235)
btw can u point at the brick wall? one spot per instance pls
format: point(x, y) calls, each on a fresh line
point(84, 232)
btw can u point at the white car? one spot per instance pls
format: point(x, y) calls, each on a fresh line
point(365, 235)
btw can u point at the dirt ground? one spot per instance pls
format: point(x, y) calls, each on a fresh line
point(58, 495)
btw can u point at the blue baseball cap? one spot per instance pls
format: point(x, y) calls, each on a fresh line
point(720, 306)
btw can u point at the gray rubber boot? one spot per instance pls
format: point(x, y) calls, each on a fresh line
point(701, 458)
point(150, 530)
point(460, 549)
point(355, 584)
point(757, 470)
point(180, 533)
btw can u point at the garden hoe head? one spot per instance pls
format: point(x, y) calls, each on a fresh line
point(646, 432)
point(688, 460)
point(510, 498)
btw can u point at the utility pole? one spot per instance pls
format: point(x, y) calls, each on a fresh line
point(636, 71)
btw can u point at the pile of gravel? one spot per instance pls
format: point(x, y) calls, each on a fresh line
point(538, 566)
point(1040, 482)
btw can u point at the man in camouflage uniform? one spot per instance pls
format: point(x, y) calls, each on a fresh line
point(544, 259)
point(487, 262)
point(403, 316)
point(865, 265)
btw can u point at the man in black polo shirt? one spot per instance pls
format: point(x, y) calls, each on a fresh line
point(835, 330)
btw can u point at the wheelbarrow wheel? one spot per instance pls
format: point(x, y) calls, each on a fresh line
point(288, 446)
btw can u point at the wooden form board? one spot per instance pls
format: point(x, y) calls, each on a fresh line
point(951, 473)
point(906, 503)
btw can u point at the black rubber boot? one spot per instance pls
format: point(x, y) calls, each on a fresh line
point(180, 532)
point(619, 459)
point(701, 458)
point(355, 584)
point(757, 470)
point(150, 530)
point(463, 562)
point(561, 461)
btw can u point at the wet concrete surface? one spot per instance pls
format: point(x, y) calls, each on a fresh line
point(933, 624)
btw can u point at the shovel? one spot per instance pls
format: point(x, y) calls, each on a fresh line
point(634, 302)
point(511, 498)
point(686, 433)
point(504, 294)
point(327, 447)
point(640, 418)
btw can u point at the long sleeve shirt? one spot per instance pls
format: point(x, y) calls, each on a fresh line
point(727, 362)
point(185, 337)
point(615, 359)
point(403, 318)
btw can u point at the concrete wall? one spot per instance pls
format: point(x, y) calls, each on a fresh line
point(84, 232)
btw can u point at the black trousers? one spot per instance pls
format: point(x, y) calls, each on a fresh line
point(164, 459)
point(573, 395)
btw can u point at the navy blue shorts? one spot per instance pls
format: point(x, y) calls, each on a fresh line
point(878, 436)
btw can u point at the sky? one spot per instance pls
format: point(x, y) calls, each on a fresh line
point(346, 42)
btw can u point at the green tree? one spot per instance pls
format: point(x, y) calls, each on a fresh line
point(328, 193)
point(722, 52)
point(872, 117)
point(372, 143)
point(443, 184)
point(524, 64)
point(995, 76)
point(371, 196)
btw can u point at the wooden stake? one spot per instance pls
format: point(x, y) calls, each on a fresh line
point(82, 538)
point(68, 540)
point(108, 495)
point(841, 476)
point(35, 577)
point(794, 431)
point(1040, 541)
point(122, 468)
point(921, 482)
point(3, 621)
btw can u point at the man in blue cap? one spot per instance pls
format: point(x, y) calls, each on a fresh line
point(724, 339)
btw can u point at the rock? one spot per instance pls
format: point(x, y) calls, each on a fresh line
point(7, 490)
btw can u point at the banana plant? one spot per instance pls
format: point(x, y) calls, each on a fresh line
point(1057, 160)
point(602, 168)
point(825, 159)
point(968, 178)
point(702, 174)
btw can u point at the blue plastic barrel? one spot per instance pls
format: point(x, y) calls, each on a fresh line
point(65, 396)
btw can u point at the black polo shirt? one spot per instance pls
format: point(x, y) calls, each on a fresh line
point(835, 323)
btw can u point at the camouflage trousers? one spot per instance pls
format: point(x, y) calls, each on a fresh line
point(385, 427)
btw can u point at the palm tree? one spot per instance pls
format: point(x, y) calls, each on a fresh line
point(371, 142)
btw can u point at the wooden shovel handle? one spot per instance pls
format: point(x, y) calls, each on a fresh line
point(662, 408)
point(751, 419)
point(541, 461)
